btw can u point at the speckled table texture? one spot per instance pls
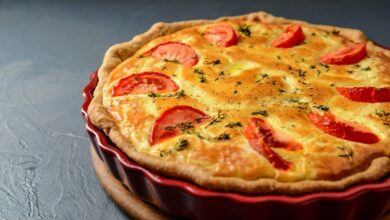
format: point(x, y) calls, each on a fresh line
point(47, 51)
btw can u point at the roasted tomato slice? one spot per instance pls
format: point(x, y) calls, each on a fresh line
point(292, 35)
point(145, 82)
point(348, 131)
point(346, 55)
point(221, 35)
point(175, 121)
point(365, 94)
point(261, 136)
point(174, 51)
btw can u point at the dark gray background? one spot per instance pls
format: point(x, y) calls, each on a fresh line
point(47, 51)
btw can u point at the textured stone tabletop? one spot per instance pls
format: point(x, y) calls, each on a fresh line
point(47, 51)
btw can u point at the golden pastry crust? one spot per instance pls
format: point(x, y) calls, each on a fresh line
point(226, 165)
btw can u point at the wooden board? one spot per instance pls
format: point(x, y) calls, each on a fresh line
point(121, 196)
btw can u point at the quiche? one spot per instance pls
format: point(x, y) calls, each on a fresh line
point(252, 104)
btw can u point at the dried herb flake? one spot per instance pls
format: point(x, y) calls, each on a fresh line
point(201, 75)
point(216, 119)
point(223, 136)
point(181, 144)
point(177, 94)
point(322, 107)
point(346, 152)
point(233, 124)
point(214, 62)
point(260, 112)
point(245, 30)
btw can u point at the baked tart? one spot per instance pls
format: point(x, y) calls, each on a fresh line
point(252, 104)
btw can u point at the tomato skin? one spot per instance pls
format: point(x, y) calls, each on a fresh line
point(292, 36)
point(346, 55)
point(261, 136)
point(166, 125)
point(330, 125)
point(221, 35)
point(174, 51)
point(365, 94)
point(145, 82)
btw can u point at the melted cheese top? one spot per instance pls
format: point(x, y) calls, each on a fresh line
point(249, 79)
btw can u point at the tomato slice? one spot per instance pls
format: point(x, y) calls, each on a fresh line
point(261, 136)
point(292, 35)
point(330, 125)
point(174, 51)
point(346, 55)
point(145, 82)
point(365, 94)
point(175, 121)
point(221, 35)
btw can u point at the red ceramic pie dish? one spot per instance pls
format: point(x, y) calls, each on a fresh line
point(181, 198)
